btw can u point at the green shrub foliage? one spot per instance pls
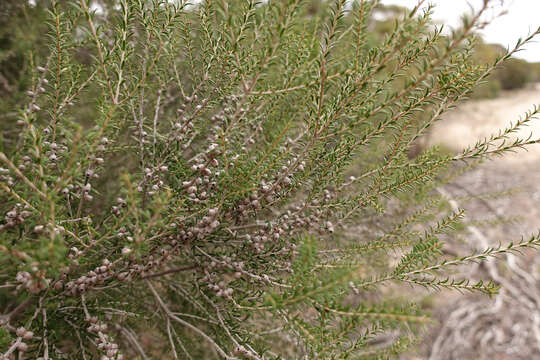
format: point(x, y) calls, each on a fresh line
point(230, 179)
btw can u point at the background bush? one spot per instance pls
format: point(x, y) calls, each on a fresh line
point(229, 180)
point(513, 74)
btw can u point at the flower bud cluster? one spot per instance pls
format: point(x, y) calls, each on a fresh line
point(123, 232)
point(97, 160)
point(215, 271)
point(116, 209)
point(54, 151)
point(85, 190)
point(150, 263)
point(33, 94)
point(300, 217)
point(68, 189)
point(103, 142)
point(229, 103)
point(201, 187)
point(91, 279)
point(153, 179)
point(270, 191)
point(241, 350)
point(74, 253)
point(16, 216)
point(24, 334)
point(309, 216)
point(26, 162)
point(182, 127)
point(206, 225)
point(288, 223)
point(215, 283)
point(31, 283)
point(91, 172)
point(262, 236)
point(6, 178)
point(104, 342)
point(269, 237)
point(18, 344)
point(221, 289)
point(232, 110)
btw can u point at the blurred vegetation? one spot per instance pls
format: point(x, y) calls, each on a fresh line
point(23, 29)
point(23, 39)
point(514, 74)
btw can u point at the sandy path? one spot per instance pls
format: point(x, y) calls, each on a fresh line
point(510, 332)
point(475, 120)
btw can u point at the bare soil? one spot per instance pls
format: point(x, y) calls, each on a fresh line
point(475, 120)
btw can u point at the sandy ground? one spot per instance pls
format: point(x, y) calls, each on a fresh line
point(510, 328)
point(475, 120)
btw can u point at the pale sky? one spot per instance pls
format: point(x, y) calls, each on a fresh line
point(523, 17)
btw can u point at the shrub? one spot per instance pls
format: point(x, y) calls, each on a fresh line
point(183, 190)
point(490, 89)
point(17, 38)
point(514, 74)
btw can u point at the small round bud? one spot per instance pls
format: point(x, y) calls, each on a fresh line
point(58, 285)
point(20, 331)
point(330, 226)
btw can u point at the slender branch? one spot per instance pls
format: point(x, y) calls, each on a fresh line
point(171, 315)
